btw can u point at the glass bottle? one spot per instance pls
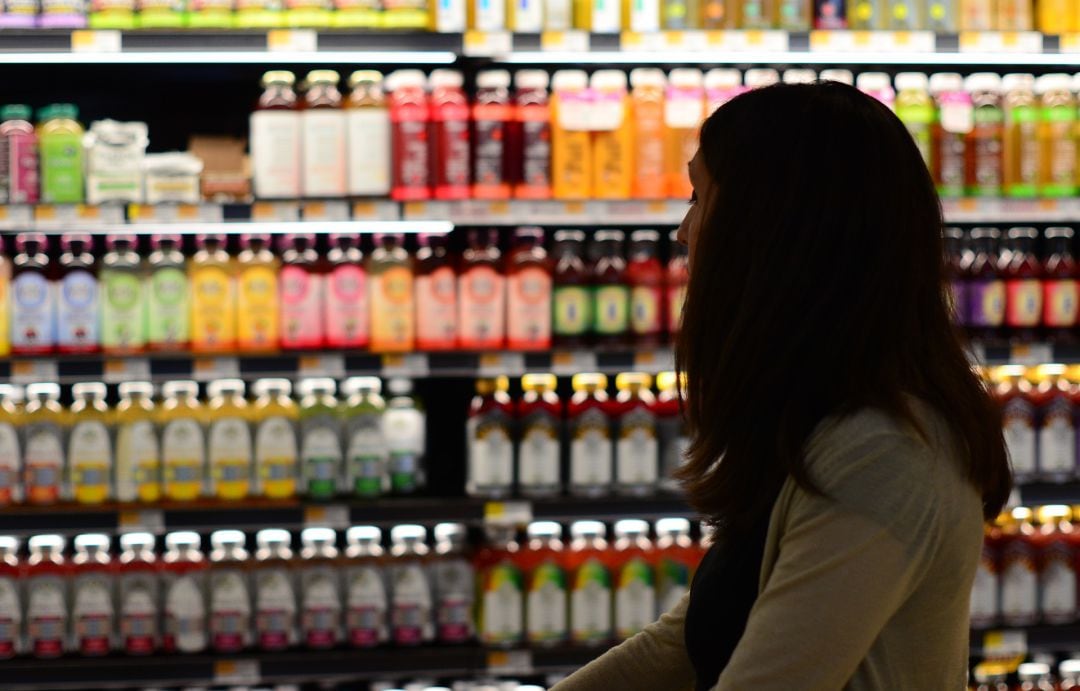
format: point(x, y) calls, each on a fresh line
point(1023, 285)
point(183, 587)
point(276, 162)
point(411, 608)
point(92, 613)
point(436, 295)
point(646, 278)
point(11, 600)
point(183, 440)
point(637, 453)
point(78, 303)
point(346, 311)
point(390, 276)
point(11, 447)
point(452, 578)
point(405, 430)
point(546, 600)
point(367, 119)
point(366, 588)
point(528, 292)
point(488, 433)
point(589, 427)
point(301, 284)
point(123, 324)
point(90, 453)
point(540, 424)
point(43, 433)
point(275, 595)
point(366, 455)
point(501, 612)
point(229, 444)
point(137, 594)
point(572, 301)
point(1061, 295)
point(138, 457)
point(45, 585)
point(33, 299)
point(277, 454)
point(611, 296)
point(481, 294)
point(589, 567)
point(320, 594)
point(257, 325)
point(167, 300)
point(323, 128)
point(229, 593)
point(635, 593)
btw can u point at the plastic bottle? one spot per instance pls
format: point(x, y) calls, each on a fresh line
point(11, 600)
point(301, 285)
point(33, 297)
point(183, 587)
point(45, 585)
point(322, 123)
point(572, 300)
point(1061, 294)
point(529, 146)
point(830, 15)
point(941, 16)
point(481, 294)
point(501, 612)
point(183, 441)
point(528, 292)
point(598, 16)
point(1054, 394)
point(411, 607)
point(137, 595)
point(635, 592)
point(277, 456)
point(90, 453)
point(491, 116)
point(366, 589)
point(228, 447)
point(878, 85)
point(452, 579)
point(915, 109)
point(436, 295)
point(985, 289)
point(984, 141)
point(1021, 135)
point(138, 459)
point(675, 282)
point(212, 280)
point(60, 145)
point(275, 595)
point(257, 311)
point(228, 593)
point(636, 448)
point(11, 459)
point(1014, 15)
point(410, 112)
point(276, 163)
point(539, 420)
point(954, 122)
point(123, 310)
point(319, 593)
point(367, 121)
point(320, 439)
point(906, 15)
point(796, 75)
point(794, 15)
point(450, 147)
point(546, 585)
point(404, 428)
point(756, 14)
point(1019, 575)
point(867, 15)
point(645, 17)
point(346, 308)
point(684, 109)
point(611, 292)
point(647, 115)
point(671, 431)
point(489, 431)
point(165, 291)
point(613, 136)
point(78, 303)
point(1014, 393)
point(365, 444)
point(592, 450)
point(1057, 136)
point(390, 277)
point(721, 85)
point(92, 613)
point(645, 275)
point(43, 435)
point(18, 156)
point(588, 564)
point(675, 561)
point(571, 139)
point(1023, 285)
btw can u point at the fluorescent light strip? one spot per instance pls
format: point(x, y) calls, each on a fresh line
point(238, 57)
point(240, 227)
point(789, 57)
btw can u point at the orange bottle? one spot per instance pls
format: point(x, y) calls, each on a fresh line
point(613, 134)
point(571, 142)
point(390, 280)
point(683, 113)
point(647, 111)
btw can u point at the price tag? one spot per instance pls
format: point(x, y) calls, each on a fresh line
point(16, 216)
point(326, 211)
point(770, 41)
point(510, 662)
point(1001, 42)
point(1069, 43)
point(326, 365)
point(275, 211)
point(150, 520)
point(487, 44)
point(508, 512)
point(499, 364)
point(376, 211)
point(126, 369)
point(210, 368)
point(330, 516)
point(634, 41)
point(1005, 643)
point(565, 41)
point(683, 40)
point(1032, 354)
point(292, 40)
point(574, 210)
point(653, 361)
point(241, 672)
point(34, 371)
point(883, 41)
point(427, 211)
point(573, 362)
point(95, 41)
point(405, 365)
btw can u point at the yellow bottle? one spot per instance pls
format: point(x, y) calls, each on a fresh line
point(229, 440)
point(44, 420)
point(1057, 132)
point(183, 441)
point(1055, 16)
point(89, 444)
point(138, 460)
point(613, 136)
point(275, 416)
point(213, 297)
point(257, 310)
point(10, 448)
point(684, 110)
point(571, 145)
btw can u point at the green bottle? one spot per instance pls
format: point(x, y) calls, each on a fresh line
point(123, 316)
point(366, 453)
point(320, 435)
point(60, 144)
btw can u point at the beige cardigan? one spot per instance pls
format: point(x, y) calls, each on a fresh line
point(866, 590)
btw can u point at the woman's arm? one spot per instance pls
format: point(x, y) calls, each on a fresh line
point(653, 659)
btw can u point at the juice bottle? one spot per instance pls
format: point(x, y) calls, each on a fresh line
point(915, 109)
point(941, 16)
point(956, 251)
point(525, 16)
point(1055, 538)
point(1021, 136)
point(229, 446)
point(78, 302)
point(11, 460)
point(450, 149)
point(367, 121)
point(1019, 577)
point(985, 289)
point(5, 305)
point(277, 455)
point(1061, 292)
point(721, 85)
point(978, 15)
point(228, 593)
point(18, 156)
point(320, 438)
point(675, 281)
point(166, 295)
point(500, 611)
point(346, 312)
point(366, 596)
point(11, 601)
point(45, 585)
point(830, 15)
point(320, 592)
point(1053, 396)
point(592, 451)
point(411, 611)
point(138, 459)
point(954, 122)
point(539, 419)
point(409, 116)
point(598, 16)
point(635, 580)
point(645, 275)
point(572, 300)
point(256, 295)
point(60, 146)
point(1023, 285)
point(545, 585)
point(212, 279)
point(404, 428)
point(684, 110)
point(1014, 15)
point(183, 445)
point(756, 14)
point(528, 292)
point(482, 293)
point(984, 141)
point(274, 596)
point(637, 452)
point(675, 561)
point(137, 595)
point(436, 295)
point(123, 324)
point(488, 434)
point(276, 162)
point(877, 85)
point(649, 179)
point(1069, 673)
point(613, 136)
point(671, 430)
point(986, 590)
point(365, 444)
point(452, 581)
point(92, 614)
point(718, 14)
point(322, 123)
point(491, 115)
point(390, 277)
point(645, 17)
point(1055, 16)
point(89, 453)
point(529, 145)
point(611, 292)
point(794, 15)
point(588, 565)
point(1014, 393)
point(43, 456)
point(1057, 136)
point(571, 138)
point(33, 298)
point(1035, 676)
point(867, 15)
point(484, 15)
point(183, 588)
point(905, 15)
point(301, 285)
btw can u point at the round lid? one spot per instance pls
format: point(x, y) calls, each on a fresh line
point(528, 233)
point(69, 239)
point(354, 385)
point(9, 543)
point(91, 541)
point(183, 387)
point(1016, 233)
point(16, 111)
point(400, 386)
point(608, 80)
point(544, 529)
point(761, 76)
point(609, 236)
point(207, 238)
point(450, 531)
point(262, 387)
point(799, 76)
point(221, 538)
point(487, 385)
point(912, 81)
point(322, 77)
point(446, 79)
point(666, 381)
point(158, 241)
point(984, 232)
point(532, 382)
point(408, 532)
point(941, 82)
point(1071, 666)
point(570, 80)
point(1017, 82)
point(139, 539)
point(225, 386)
point(673, 526)
point(317, 385)
point(272, 536)
point(365, 77)
point(587, 529)
point(580, 382)
point(185, 538)
point(982, 81)
point(569, 236)
point(1059, 232)
point(142, 388)
point(1053, 82)
point(834, 75)
point(89, 389)
point(23, 239)
point(723, 78)
point(54, 542)
point(532, 79)
point(686, 78)
point(278, 77)
point(631, 526)
point(123, 241)
point(11, 392)
point(67, 111)
point(647, 76)
point(359, 533)
point(1030, 671)
point(43, 390)
point(248, 238)
point(406, 79)
point(873, 81)
point(645, 235)
point(493, 79)
point(624, 380)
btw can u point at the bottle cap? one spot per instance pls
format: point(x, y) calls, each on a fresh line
point(608, 80)
point(1032, 671)
point(529, 233)
point(834, 75)
point(722, 78)
point(544, 529)
point(1059, 232)
point(569, 236)
point(183, 538)
point(799, 76)
point(139, 539)
point(9, 543)
point(645, 235)
point(673, 526)
point(608, 236)
point(587, 380)
point(645, 77)
point(53, 542)
point(278, 77)
point(91, 540)
point(272, 536)
point(493, 79)
point(1069, 667)
point(43, 390)
point(263, 387)
point(761, 76)
point(912, 81)
point(569, 80)
point(631, 526)
point(399, 386)
point(16, 111)
point(225, 386)
point(535, 382)
point(400, 533)
point(446, 79)
point(322, 77)
point(982, 81)
point(354, 385)
point(88, 389)
point(222, 538)
point(666, 381)
point(587, 529)
point(136, 388)
point(37, 239)
point(122, 241)
point(625, 380)
point(359, 533)
point(1053, 82)
point(165, 239)
point(873, 81)
point(449, 531)
point(532, 79)
point(941, 82)
point(365, 77)
point(686, 78)
point(406, 79)
point(323, 385)
point(1017, 82)
point(69, 239)
point(1021, 233)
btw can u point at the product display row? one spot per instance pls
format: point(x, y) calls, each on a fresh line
point(606, 292)
point(1040, 419)
point(1030, 676)
point(503, 593)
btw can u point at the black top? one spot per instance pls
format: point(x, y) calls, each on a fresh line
point(725, 587)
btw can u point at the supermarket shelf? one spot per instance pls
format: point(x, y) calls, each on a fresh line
point(1045, 638)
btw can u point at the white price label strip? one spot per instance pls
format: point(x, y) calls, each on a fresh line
point(572, 362)
point(878, 41)
point(1004, 643)
point(242, 672)
point(16, 216)
point(326, 211)
point(510, 662)
point(292, 41)
point(95, 41)
point(126, 369)
point(1032, 354)
point(1001, 42)
point(499, 364)
point(330, 516)
point(151, 520)
point(275, 211)
point(565, 41)
point(33, 371)
point(653, 361)
point(208, 368)
point(327, 365)
point(487, 44)
point(405, 365)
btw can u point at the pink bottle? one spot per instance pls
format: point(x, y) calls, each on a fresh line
point(409, 115)
point(450, 150)
point(346, 310)
point(301, 286)
point(18, 156)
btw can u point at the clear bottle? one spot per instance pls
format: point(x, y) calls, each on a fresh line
point(637, 453)
point(366, 454)
point(229, 593)
point(540, 425)
point(78, 299)
point(45, 584)
point(43, 433)
point(257, 325)
point(635, 594)
point(138, 457)
point(322, 124)
point(137, 595)
point(92, 613)
point(546, 600)
point(123, 323)
point(366, 588)
point(11, 447)
point(275, 593)
point(501, 587)
point(11, 600)
point(367, 121)
point(277, 457)
point(955, 120)
point(90, 453)
point(405, 431)
point(228, 446)
point(320, 438)
point(1057, 136)
point(184, 598)
point(320, 592)
point(984, 141)
point(452, 578)
point(1021, 136)
point(276, 162)
point(589, 566)
point(183, 441)
point(489, 431)
point(411, 608)
point(592, 452)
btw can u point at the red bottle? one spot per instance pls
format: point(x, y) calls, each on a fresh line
point(1061, 295)
point(678, 273)
point(137, 594)
point(489, 440)
point(301, 286)
point(634, 577)
point(646, 277)
point(91, 595)
point(611, 291)
point(183, 594)
point(529, 146)
point(46, 588)
point(985, 289)
point(1023, 285)
point(436, 295)
point(450, 151)
point(10, 601)
point(676, 559)
point(528, 292)
point(491, 116)
point(546, 592)
point(346, 312)
point(33, 298)
point(78, 305)
point(481, 293)
point(410, 112)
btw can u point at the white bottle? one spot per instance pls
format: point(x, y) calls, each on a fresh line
point(275, 139)
point(405, 431)
point(275, 595)
point(320, 594)
point(368, 132)
point(137, 595)
point(11, 618)
point(183, 587)
point(46, 597)
point(323, 128)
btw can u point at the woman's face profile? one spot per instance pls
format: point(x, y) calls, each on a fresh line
point(702, 184)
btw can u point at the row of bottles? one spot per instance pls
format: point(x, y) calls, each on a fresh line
point(301, 298)
point(504, 593)
point(590, 445)
point(1036, 675)
point(227, 448)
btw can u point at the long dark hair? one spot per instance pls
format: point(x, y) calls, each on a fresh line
point(817, 289)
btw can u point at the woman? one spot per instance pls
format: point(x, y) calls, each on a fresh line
point(860, 452)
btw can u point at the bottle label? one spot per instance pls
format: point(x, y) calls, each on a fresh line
point(138, 612)
point(61, 168)
point(276, 457)
point(122, 312)
point(635, 598)
point(590, 603)
point(167, 310)
point(436, 309)
point(918, 120)
point(213, 324)
point(321, 458)
point(275, 154)
point(1020, 438)
point(44, 462)
point(1057, 439)
point(33, 303)
point(257, 308)
point(1024, 303)
point(347, 311)
point(683, 108)
point(491, 452)
point(301, 308)
point(185, 614)
point(369, 151)
point(10, 461)
point(612, 309)
point(324, 152)
point(636, 451)
point(528, 314)
point(392, 325)
point(482, 308)
point(10, 618)
point(92, 613)
point(501, 621)
point(183, 456)
point(452, 172)
point(23, 155)
point(1057, 584)
point(590, 450)
point(320, 609)
point(410, 160)
point(1060, 148)
point(137, 462)
point(230, 458)
point(454, 588)
point(986, 140)
point(275, 609)
point(573, 310)
point(90, 460)
point(1060, 301)
point(546, 604)
point(672, 582)
point(538, 454)
point(404, 432)
point(984, 591)
point(1019, 585)
point(645, 310)
point(366, 454)
point(77, 316)
point(410, 611)
point(230, 611)
point(46, 615)
point(536, 152)
point(365, 620)
point(489, 126)
point(986, 300)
